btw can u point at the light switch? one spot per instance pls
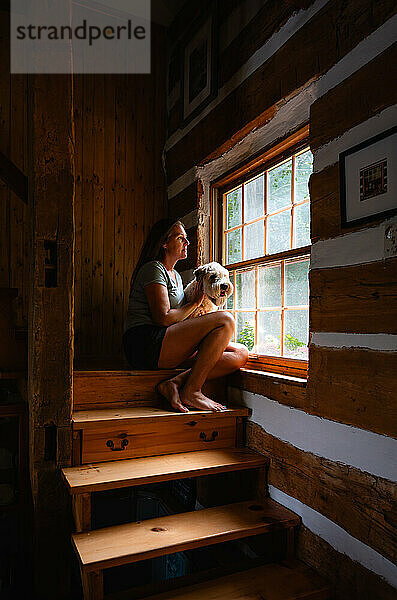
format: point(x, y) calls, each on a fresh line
point(390, 245)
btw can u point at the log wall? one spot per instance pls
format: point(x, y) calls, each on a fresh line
point(331, 439)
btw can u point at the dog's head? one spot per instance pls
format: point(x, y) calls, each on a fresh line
point(216, 282)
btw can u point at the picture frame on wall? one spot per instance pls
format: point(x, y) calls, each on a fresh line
point(199, 65)
point(368, 180)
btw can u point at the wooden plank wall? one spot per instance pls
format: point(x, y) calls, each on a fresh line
point(120, 193)
point(120, 134)
point(353, 303)
point(14, 214)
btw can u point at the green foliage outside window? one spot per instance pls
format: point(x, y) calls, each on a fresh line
point(292, 343)
point(247, 336)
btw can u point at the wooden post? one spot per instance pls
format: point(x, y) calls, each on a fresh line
point(50, 329)
point(240, 431)
point(82, 512)
point(77, 447)
point(290, 543)
point(261, 483)
point(92, 585)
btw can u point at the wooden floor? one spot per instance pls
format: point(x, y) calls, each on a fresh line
point(122, 544)
point(139, 471)
point(290, 581)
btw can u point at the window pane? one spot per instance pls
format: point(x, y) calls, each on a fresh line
point(279, 186)
point(302, 225)
point(254, 199)
point(297, 283)
point(269, 286)
point(245, 289)
point(296, 333)
point(245, 329)
point(233, 243)
point(233, 208)
point(254, 240)
point(303, 170)
point(269, 333)
point(279, 232)
point(229, 302)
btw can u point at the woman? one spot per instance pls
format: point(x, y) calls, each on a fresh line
point(156, 334)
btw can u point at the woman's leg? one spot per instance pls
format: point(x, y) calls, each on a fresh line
point(182, 339)
point(211, 334)
point(234, 357)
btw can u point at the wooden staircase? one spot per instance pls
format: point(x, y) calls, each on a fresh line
point(123, 436)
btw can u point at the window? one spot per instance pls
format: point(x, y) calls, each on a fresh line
point(264, 242)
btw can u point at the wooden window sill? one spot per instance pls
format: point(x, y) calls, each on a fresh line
point(286, 389)
point(274, 377)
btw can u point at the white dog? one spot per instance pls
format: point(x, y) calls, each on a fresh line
point(217, 288)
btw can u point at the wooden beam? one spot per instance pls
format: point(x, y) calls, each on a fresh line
point(359, 97)
point(355, 299)
point(349, 578)
point(14, 178)
point(358, 502)
point(306, 55)
point(355, 386)
point(50, 332)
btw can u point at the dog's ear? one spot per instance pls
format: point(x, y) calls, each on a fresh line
point(199, 273)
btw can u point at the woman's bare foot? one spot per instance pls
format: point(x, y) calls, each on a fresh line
point(169, 390)
point(199, 401)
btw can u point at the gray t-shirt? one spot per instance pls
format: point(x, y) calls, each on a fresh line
point(138, 312)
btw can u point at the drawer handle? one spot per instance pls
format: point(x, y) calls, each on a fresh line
point(110, 444)
point(203, 436)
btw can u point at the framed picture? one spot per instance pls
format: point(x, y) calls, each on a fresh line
point(368, 179)
point(199, 68)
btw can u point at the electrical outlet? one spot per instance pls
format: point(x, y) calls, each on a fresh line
point(390, 246)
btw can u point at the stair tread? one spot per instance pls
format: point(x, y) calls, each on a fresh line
point(285, 581)
point(85, 419)
point(131, 542)
point(84, 373)
point(137, 471)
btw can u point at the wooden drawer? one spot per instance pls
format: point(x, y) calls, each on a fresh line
point(117, 441)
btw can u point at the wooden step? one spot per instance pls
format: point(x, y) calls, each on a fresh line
point(152, 469)
point(290, 581)
point(123, 433)
point(123, 544)
point(84, 480)
point(91, 419)
point(101, 389)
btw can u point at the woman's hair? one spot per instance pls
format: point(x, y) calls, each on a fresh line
point(153, 247)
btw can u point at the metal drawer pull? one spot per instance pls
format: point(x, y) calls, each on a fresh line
point(203, 436)
point(110, 444)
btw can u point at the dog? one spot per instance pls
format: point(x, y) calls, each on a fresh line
point(217, 288)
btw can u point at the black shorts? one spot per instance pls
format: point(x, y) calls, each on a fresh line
point(142, 346)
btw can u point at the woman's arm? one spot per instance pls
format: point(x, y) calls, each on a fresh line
point(157, 296)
